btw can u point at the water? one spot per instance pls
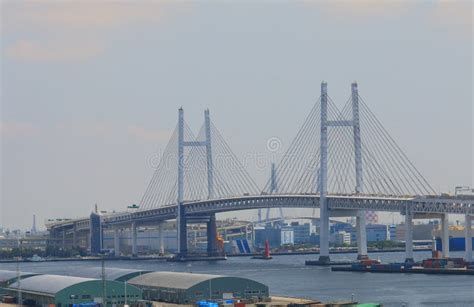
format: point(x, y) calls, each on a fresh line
point(287, 275)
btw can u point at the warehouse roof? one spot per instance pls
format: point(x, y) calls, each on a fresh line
point(110, 273)
point(48, 284)
point(172, 279)
point(10, 275)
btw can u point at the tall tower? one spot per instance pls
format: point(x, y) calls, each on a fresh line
point(323, 175)
point(33, 227)
point(273, 189)
point(361, 216)
point(323, 172)
point(182, 143)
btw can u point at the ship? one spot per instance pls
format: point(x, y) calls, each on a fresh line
point(457, 241)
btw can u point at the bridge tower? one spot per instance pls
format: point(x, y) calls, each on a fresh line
point(273, 189)
point(181, 214)
point(322, 172)
point(361, 216)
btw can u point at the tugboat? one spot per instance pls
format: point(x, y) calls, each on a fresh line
point(266, 253)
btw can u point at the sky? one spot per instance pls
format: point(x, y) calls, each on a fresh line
point(90, 90)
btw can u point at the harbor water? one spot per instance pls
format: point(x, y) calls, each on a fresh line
point(288, 276)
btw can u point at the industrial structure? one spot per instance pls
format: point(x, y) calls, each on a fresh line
point(116, 274)
point(188, 288)
point(125, 286)
point(66, 291)
point(9, 277)
point(341, 161)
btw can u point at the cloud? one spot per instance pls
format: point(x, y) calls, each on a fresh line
point(361, 10)
point(58, 51)
point(456, 15)
point(47, 31)
point(78, 14)
point(88, 129)
point(111, 130)
point(144, 134)
point(17, 129)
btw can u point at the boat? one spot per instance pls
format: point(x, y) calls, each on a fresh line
point(35, 258)
point(457, 241)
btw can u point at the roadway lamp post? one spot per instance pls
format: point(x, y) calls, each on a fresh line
point(125, 294)
point(18, 280)
point(104, 290)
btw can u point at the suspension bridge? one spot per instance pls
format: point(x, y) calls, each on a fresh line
point(342, 162)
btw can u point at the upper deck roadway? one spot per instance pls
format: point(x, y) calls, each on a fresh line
point(418, 204)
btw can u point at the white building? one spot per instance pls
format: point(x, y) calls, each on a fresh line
point(341, 238)
point(287, 236)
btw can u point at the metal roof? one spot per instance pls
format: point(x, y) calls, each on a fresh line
point(171, 279)
point(110, 273)
point(9, 275)
point(48, 284)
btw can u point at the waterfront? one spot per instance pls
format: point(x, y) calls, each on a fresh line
point(287, 275)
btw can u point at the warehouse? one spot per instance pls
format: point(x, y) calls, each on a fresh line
point(8, 277)
point(66, 290)
point(110, 273)
point(188, 288)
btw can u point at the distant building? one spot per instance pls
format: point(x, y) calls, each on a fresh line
point(400, 232)
point(301, 232)
point(374, 232)
point(273, 235)
point(423, 231)
point(287, 236)
point(371, 217)
point(393, 232)
point(377, 232)
point(420, 231)
point(342, 238)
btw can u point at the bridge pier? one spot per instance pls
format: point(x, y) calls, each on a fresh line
point(323, 175)
point(468, 237)
point(212, 236)
point(161, 232)
point(409, 236)
point(116, 242)
point(182, 233)
point(64, 239)
point(74, 235)
point(445, 235)
point(361, 236)
point(134, 239)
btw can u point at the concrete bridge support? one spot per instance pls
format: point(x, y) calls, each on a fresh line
point(116, 242)
point(409, 236)
point(445, 235)
point(212, 236)
point(161, 231)
point(182, 234)
point(74, 236)
point(361, 236)
point(468, 237)
point(323, 211)
point(134, 239)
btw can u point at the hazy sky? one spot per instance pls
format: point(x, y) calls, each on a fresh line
point(90, 91)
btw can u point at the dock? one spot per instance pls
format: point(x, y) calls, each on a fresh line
point(413, 270)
